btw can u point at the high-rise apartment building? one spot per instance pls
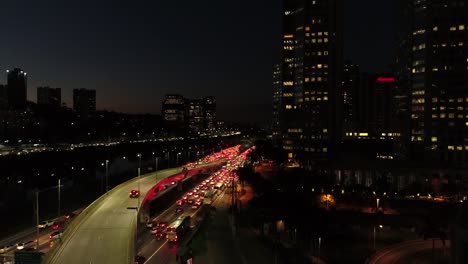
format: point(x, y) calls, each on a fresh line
point(84, 102)
point(17, 89)
point(209, 112)
point(49, 96)
point(433, 70)
point(173, 113)
point(195, 116)
point(311, 68)
point(277, 94)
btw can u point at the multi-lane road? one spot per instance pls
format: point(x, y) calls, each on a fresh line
point(104, 232)
point(105, 235)
point(405, 251)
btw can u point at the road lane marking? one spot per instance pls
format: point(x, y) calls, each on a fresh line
point(156, 251)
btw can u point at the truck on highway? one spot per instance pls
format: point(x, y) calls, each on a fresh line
point(178, 228)
point(209, 196)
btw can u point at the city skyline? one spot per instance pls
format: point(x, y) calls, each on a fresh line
point(122, 52)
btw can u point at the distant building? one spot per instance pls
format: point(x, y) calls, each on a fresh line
point(49, 96)
point(173, 113)
point(195, 116)
point(84, 102)
point(17, 89)
point(209, 112)
point(275, 127)
point(433, 72)
point(3, 97)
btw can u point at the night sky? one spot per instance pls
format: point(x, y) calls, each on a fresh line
point(134, 52)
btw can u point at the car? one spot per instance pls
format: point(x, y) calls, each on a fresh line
point(139, 259)
point(185, 197)
point(155, 229)
point(70, 215)
point(162, 224)
point(195, 206)
point(173, 183)
point(134, 194)
point(190, 193)
point(190, 201)
point(45, 224)
point(160, 235)
point(58, 225)
point(6, 248)
point(180, 202)
point(150, 224)
point(55, 235)
point(179, 210)
point(21, 246)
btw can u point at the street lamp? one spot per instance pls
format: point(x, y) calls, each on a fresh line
point(107, 176)
point(177, 159)
point(139, 171)
point(37, 207)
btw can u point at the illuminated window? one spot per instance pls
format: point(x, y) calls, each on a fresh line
point(450, 147)
point(325, 149)
point(288, 106)
point(433, 139)
point(325, 98)
point(325, 130)
point(451, 115)
point(453, 28)
point(459, 148)
point(435, 28)
point(461, 27)
point(319, 66)
point(442, 115)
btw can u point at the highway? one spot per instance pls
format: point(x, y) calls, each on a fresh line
point(406, 251)
point(105, 234)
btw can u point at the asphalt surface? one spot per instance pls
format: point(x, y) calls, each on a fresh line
point(405, 252)
point(105, 235)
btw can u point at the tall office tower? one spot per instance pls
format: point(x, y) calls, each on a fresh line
point(195, 116)
point(209, 112)
point(436, 70)
point(3, 97)
point(84, 102)
point(49, 96)
point(275, 127)
point(350, 96)
point(311, 69)
point(16, 90)
point(173, 113)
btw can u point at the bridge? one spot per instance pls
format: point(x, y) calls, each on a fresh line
point(105, 231)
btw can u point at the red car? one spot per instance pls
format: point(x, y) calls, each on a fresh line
point(58, 225)
point(160, 235)
point(134, 194)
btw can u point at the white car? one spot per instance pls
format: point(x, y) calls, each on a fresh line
point(45, 224)
point(21, 246)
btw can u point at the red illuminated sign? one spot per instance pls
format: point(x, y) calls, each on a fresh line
point(386, 79)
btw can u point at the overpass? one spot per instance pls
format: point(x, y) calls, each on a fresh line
point(105, 231)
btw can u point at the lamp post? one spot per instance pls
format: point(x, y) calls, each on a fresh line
point(107, 176)
point(139, 171)
point(37, 207)
point(177, 159)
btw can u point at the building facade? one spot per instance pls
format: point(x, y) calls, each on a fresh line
point(3, 97)
point(195, 117)
point(173, 113)
point(311, 68)
point(277, 94)
point(433, 65)
point(209, 114)
point(84, 102)
point(350, 96)
point(17, 89)
point(49, 96)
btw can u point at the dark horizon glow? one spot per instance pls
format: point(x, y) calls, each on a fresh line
point(134, 53)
